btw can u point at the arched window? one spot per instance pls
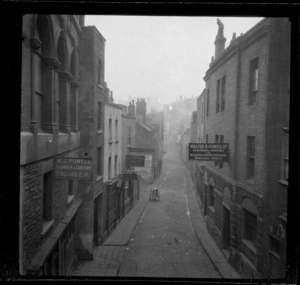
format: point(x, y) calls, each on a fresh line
point(73, 94)
point(42, 113)
point(62, 85)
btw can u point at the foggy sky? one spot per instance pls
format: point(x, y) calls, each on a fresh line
point(161, 57)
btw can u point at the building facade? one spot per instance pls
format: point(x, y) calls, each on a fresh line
point(247, 106)
point(49, 207)
point(91, 127)
point(112, 162)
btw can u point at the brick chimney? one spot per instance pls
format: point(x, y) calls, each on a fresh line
point(131, 109)
point(220, 40)
point(141, 108)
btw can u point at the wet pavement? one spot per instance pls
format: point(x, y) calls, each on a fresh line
point(164, 238)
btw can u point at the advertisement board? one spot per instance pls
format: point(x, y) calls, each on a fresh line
point(209, 151)
point(73, 168)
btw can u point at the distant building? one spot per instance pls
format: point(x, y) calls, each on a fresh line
point(247, 106)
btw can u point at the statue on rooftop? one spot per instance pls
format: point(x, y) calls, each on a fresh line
point(221, 28)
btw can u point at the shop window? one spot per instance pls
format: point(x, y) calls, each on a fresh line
point(250, 156)
point(253, 81)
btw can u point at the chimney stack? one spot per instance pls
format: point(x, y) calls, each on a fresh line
point(220, 40)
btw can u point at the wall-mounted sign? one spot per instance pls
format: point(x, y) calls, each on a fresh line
point(135, 160)
point(209, 151)
point(73, 168)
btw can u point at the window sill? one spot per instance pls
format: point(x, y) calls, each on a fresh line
point(284, 182)
point(47, 225)
point(99, 86)
point(249, 245)
point(99, 132)
point(275, 254)
point(99, 178)
point(110, 142)
point(70, 199)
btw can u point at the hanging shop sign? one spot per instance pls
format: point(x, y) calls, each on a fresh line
point(135, 160)
point(73, 168)
point(209, 151)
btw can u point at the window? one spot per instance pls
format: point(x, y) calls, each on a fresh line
point(129, 135)
point(47, 196)
point(116, 130)
point(218, 96)
point(116, 165)
point(109, 168)
point(207, 102)
point(99, 115)
point(70, 187)
point(253, 81)
point(285, 172)
point(250, 222)
point(62, 85)
point(250, 156)
point(216, 141)
point(110, 129)
point(99, 72)
point(73, 95)
point(211, 196)
point(223, 93)
point(99, 161)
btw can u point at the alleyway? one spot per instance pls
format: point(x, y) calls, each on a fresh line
point(164, 242)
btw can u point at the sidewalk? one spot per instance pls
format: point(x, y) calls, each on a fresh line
point(211, 248)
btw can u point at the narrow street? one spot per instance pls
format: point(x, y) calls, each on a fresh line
point(164, 243)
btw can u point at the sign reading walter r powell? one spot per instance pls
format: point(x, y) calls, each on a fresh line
point(73, 168)
point(209, 151)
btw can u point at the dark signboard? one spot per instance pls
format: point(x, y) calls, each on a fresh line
point(209, 151)
point(73, 168)
point(135, 160)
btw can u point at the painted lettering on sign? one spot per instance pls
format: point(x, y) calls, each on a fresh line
point(209, 151)
point(73, 168)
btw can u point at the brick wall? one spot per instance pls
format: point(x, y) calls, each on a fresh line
point(32, 210)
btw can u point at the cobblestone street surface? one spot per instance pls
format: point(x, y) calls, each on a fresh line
point(164, 238)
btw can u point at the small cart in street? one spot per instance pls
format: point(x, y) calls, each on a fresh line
point(154, 194)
